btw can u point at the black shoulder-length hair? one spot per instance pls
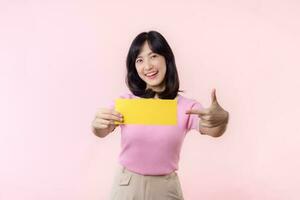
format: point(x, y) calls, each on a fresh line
point(158, 44)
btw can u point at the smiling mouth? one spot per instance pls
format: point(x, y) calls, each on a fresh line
point(151, 75)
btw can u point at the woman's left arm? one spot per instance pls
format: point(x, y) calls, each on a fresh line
point(214, 119)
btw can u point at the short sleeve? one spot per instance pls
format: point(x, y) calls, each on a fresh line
point(193, 119)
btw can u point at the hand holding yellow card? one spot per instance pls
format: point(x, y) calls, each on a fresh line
point(147, 111)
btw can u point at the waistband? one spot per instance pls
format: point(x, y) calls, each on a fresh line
point(170, 175)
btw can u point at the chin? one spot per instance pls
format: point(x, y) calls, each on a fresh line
point(154, 85)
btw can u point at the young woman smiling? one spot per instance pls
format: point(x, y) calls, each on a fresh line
point(150, 154)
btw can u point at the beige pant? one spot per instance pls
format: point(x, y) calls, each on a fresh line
point(128, 185)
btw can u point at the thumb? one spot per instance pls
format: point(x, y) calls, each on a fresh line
point(214, 97)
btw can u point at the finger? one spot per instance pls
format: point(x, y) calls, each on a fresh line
point(210, 124)
point(197, 112)
point(110, 111)
point(104, 110)
point(206, 124)
point(116, 113)
point(98, 125)
point(206, 117)
point(103, 121)
point(214, 117)
point(109, 117)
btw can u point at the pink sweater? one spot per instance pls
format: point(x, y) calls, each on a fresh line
point(155, 150)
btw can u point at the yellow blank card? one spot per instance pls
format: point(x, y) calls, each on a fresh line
point(147, 111)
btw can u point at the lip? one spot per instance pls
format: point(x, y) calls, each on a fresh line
point(153, 76)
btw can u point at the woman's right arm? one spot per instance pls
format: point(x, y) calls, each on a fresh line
point(104, 122)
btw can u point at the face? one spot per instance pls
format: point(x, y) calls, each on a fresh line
point(151, 68)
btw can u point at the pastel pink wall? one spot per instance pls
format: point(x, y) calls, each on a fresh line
point(61, 60)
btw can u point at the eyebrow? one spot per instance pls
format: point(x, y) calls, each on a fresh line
point(147, 55)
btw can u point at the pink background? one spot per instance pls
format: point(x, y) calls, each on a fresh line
point(61, 60)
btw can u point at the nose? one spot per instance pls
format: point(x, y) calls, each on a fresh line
point(148, 65)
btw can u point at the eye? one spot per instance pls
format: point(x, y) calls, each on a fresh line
point(153, 56)
point(138, 60)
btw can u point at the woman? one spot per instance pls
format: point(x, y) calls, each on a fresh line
point(150, 154)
